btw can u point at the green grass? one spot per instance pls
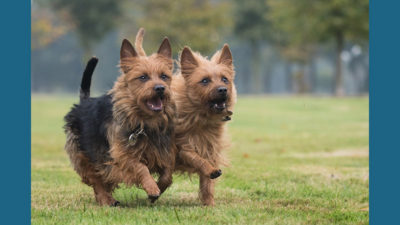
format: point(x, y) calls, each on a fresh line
point(293, 161)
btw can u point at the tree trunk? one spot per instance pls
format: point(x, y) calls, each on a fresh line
point(256, 84)
point(245, 75)
point(303, 86)
point(313, 76)
point(339, 89)
point(288, 77)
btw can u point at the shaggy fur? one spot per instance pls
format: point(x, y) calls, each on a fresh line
point(98, 129)
point(205, 95)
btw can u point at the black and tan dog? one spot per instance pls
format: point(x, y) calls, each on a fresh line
point(127, 134)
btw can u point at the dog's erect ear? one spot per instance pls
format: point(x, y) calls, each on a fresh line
point(226, 56)
point(188, 62)
point(127, 50)
point(165, 48)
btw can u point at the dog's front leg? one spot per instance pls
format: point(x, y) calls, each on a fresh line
point(132, 171)
point(164, 181)
point(147, 181)
point(196, 161)
point(206, 190)
point(138, 173)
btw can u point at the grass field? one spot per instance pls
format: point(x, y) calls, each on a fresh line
point(293, 161)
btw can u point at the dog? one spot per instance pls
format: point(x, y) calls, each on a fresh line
point(127, 134)
point(204, 95)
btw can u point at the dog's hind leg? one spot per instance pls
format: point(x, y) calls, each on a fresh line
point(102, 192)
point(206, 190)
point(87, 172)
point(203, 166)
point(165, 180)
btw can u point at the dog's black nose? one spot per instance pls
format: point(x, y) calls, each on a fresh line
point(222, 90)
point(159, 88)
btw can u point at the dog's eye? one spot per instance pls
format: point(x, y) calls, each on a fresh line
point(225, 80)
point(144, 77)
point(164, 77)
point(205, 81)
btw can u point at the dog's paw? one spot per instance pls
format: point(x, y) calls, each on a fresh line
point(115, 204)
point(153, 198)
point(215, 174)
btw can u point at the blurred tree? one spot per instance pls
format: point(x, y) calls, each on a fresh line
point(296, 50)
point(199, 24)
point(92, 19)
point(45, 29)
point(306, 22)
point(251, 25)
point(300, 55)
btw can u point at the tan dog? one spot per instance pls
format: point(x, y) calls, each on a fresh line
point(204, 93)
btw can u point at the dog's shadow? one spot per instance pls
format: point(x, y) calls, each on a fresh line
point(167, 201)
point(132, 197)
point(145, 203)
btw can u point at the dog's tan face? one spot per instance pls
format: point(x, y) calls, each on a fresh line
point(209, 82)
point(147, 79)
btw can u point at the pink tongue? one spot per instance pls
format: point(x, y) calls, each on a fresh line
point(155, 104)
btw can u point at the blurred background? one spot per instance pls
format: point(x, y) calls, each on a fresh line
point(280, 47)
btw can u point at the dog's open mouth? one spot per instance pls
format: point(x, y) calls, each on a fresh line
point(218, 104)
point(155, 104)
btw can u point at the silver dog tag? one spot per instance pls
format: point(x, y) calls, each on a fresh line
point(134, 137)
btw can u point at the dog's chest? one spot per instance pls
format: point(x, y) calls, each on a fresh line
point(150, 147)
point(206, 144)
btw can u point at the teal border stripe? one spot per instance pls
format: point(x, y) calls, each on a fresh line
point(15, 115)
point(384, 112)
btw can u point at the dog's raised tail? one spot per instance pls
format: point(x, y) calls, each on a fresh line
point(87, 78)
point(139, 42)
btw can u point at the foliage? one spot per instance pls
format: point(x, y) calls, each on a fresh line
point(293, 161)
point(250, 21)
point(92, 19)
point(198, 24)
point(254, 29)
point(307, 21)
point(45, 28)
point(304, 23)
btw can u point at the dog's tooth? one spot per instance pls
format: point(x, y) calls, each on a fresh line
point(223, 104)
